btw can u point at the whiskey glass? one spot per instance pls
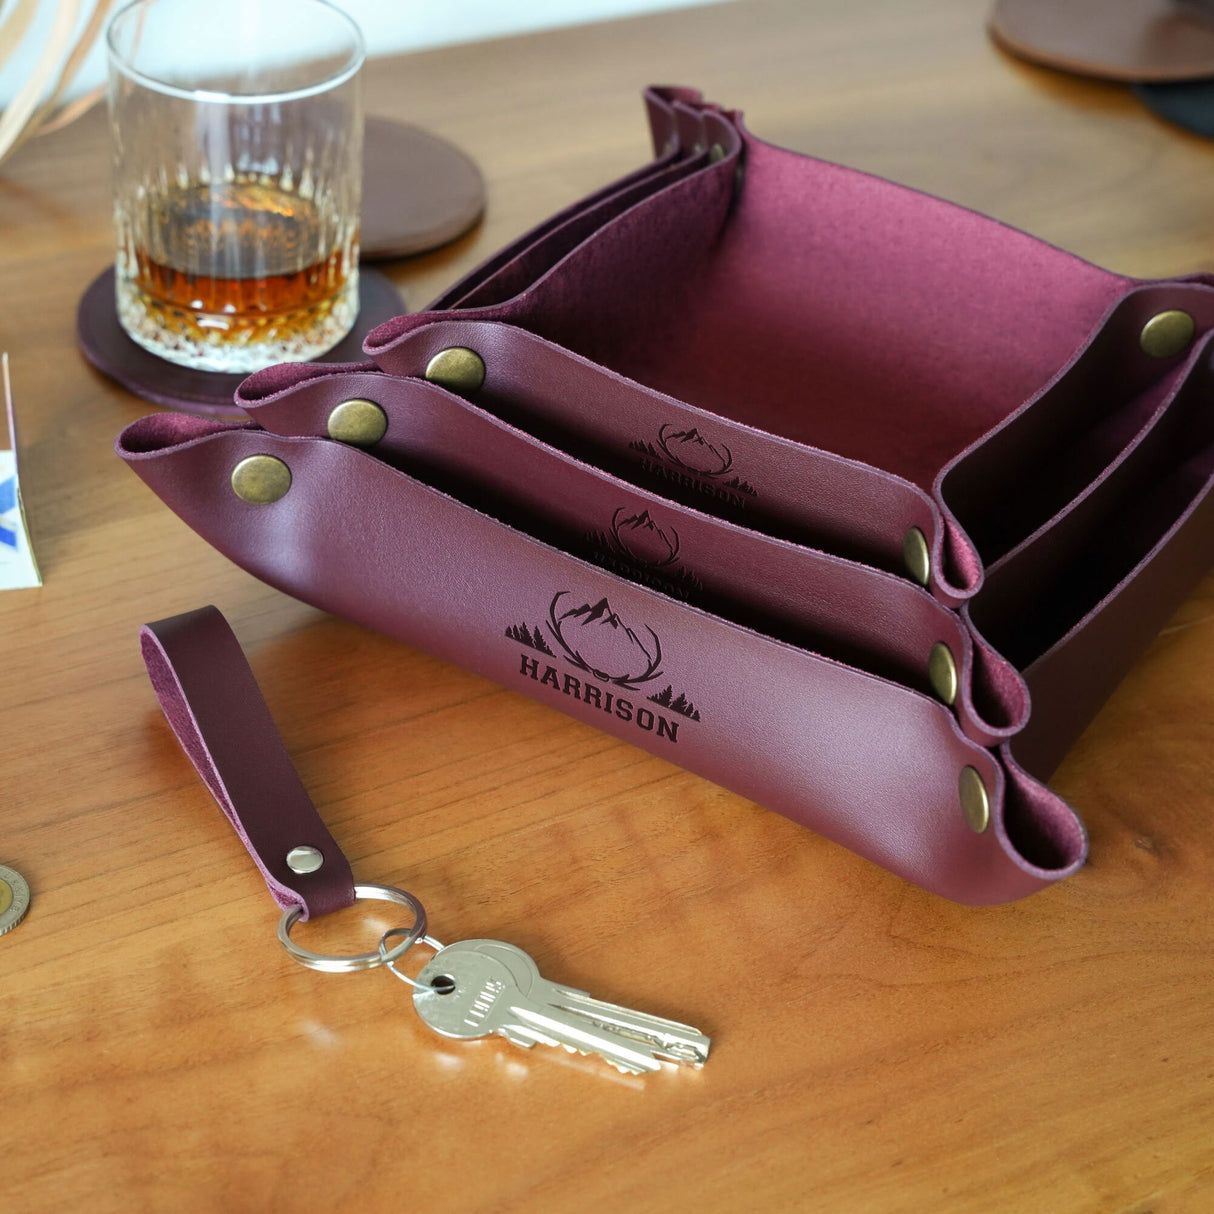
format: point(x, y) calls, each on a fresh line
point(236, 129)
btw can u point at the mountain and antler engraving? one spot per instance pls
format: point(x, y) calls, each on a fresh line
point(687, 453)
point(691, 449)
point(597, 640)
point(642, 539)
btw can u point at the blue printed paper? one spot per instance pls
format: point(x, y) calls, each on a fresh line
point(18, 569)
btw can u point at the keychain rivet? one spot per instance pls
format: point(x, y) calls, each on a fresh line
point(1167, 334)
point(975, 801)
point(304, 859)
point(457, 369)
point(917, 556)
point(261, 479)
point(361, 423)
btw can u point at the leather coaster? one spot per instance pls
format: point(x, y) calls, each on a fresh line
point(104, 342)
point(1188, 103)
point(1126, 40)
point(419, 191)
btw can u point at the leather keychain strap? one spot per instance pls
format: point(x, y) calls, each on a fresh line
point(214, 706)
point(212, 702)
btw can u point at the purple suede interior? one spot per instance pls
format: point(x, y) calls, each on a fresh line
point(158, 431)
point(479, 274)
point(269, 382)
point(547, 251)
point(819, 304)
point(1000, 698)
point(1039, 827)
point(884, 326)
point(613, 290)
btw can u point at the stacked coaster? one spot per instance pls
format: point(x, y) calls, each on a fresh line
point(1163, 48)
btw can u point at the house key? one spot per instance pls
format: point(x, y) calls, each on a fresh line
point(476, 988)
point(664, 1038)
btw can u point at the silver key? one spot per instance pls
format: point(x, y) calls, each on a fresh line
point(479, 987)
point(665, 1038)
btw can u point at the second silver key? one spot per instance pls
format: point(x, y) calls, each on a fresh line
point(668, 1039)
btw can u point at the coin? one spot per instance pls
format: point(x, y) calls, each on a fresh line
point(14, 898)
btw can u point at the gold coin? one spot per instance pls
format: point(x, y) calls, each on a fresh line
point(14, 898)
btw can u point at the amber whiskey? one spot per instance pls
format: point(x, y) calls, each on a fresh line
point(236, 275)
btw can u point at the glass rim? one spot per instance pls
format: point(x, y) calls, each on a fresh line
point(119, 62)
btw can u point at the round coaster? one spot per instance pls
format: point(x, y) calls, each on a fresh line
point(1127, 40)
point(104, 342)
point(1187, 103)
point(419, 191)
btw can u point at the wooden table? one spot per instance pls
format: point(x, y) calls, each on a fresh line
point(876, 1048)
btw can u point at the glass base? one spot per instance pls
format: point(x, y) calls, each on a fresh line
point(230, 343)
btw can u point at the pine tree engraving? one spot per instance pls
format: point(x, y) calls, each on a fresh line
point(525, 636)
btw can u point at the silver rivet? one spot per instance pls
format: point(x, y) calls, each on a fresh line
point(942, 671)
point(457, 369)
point(716, 153)
point(362, 423)
point(917, 556)
point(261, 479)
point(304, 859)
point(975, 803)
point(1167, 334)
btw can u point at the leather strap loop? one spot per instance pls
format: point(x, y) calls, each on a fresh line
point(214, 706)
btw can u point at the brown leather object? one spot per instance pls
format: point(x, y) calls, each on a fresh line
point(105, 344)
point(1187, 103)
point(419, 191)
point(1132, 40)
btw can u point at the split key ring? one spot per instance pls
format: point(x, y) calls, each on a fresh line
point(338, 964)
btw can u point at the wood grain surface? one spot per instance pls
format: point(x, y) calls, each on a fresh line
point(875, 1048)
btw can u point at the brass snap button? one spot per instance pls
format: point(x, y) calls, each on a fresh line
point(1167, 334)
point(942, 673)
point(261, 479)
point(916, 556)
point(975, 803)
point(362, 423)
point(457, 369)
